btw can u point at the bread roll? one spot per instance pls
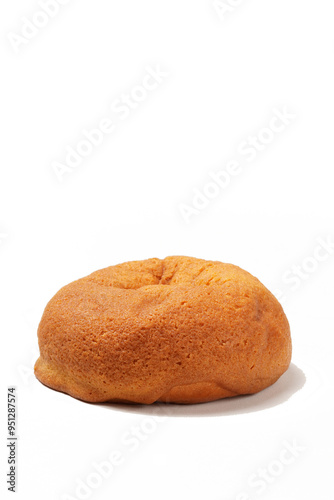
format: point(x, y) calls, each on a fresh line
point(177, 330)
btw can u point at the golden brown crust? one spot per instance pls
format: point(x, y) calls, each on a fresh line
point(180, 330)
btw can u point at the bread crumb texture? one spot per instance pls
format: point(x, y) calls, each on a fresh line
point(177, 330)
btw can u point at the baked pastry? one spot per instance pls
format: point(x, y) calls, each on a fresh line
point(178, 330)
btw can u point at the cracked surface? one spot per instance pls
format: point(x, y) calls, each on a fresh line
point(180, 329)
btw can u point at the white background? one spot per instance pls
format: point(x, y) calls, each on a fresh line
point(226, 75)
